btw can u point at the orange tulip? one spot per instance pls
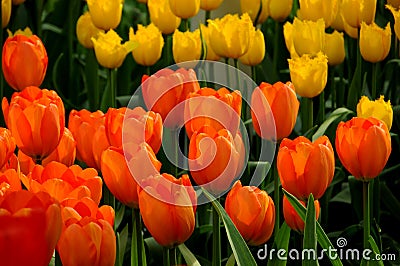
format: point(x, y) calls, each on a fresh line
point(363, 146)
point(168, 207)
point(252, 211)
point(281, 100)
point(65, 152)
point(139, 126)
point(36, 119)
point(216, 158)
point(25, 162)
point(63, 182)
point(219, 109)
point(306, 167)
point(9, 181)
point(90, 135)
point(24, 61)
point(7, 146)
point(166, 89)
point(292, 219)
point(87, 237)
point(118, 176)
point(30, 226)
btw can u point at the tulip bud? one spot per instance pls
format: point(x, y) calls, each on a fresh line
point(334, 48)
point(314, 10)
point(211, 55)
point(185, 8)
point(209, 5)
point(279, 10)
point(106, 14)
point(379, 109)
point(186, 46)
point(356, 11)
point(256, 52)
point(7, 146)
point(162, 16)
point(86, 30)
point(375, 42)
point(5, 12)
point(396, 15)
point(150, 43)
point(308, 36)
point(252, 7)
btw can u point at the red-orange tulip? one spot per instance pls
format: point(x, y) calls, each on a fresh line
point(219, 109)
point(292, 219)
point(87, 236)
point(36, 119)
point(252, 211)
point(30, 226)
point(216, 158)
point(90, 135)
point(281, 100)
point(118, 177)
point(306, 167)
point(24, 61)
point(26, 163)
point(63, 182)
point(166, 89)
point(7, 146)
point(137, 125)
point(9, 181)
point(363, 146)
point(168, 207)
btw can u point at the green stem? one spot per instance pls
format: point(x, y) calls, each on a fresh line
point(277, 48)
point(277, 196)
point(366, 211)
point(92, 80)
point(166, 259)
point(137, 256)
point(147, 15)
point(254, 74)
point(148, 72)
point(185, 24)
point(109, 198)
point(333, 87)
point(216, 255)
point(307, 114)
point(113, 86)
point(374, 80)
point(321, 111)
point(207, 17)
point(228, 79)
point(172, 256)
point(57, 259)
point(39, 9)
point(168, 49)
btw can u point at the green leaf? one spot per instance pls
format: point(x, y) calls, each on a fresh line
point(323, 239)
point(390, 201)
point(310, 235)
point(188, 256)
point(355, 88)
point(281, 242)
point(122, 240)
point(341, 113)
point(356, 196)
point(375, 251)
point(344, 195)
point(239, 247)
point(119, 215)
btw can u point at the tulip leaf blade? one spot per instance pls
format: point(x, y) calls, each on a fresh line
point(239, 247)
point(341, 112)
point(281, 243)
point(188, 255)
point(310, 234)
point(122, 240)
point(323, 239)
point(375, 251)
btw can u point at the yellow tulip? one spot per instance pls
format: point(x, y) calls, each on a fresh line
point(356, 11)
point(186, 46)
point(106, 14)
point(150, 43)
point(374, 42)
point(309, 74)
point(337, 23)
point(209, 5)
point(279, 10)
point(396, 15)
point(252, 7)
point(162, 16)
point(185, 8)
point(308, 36)
point(85, 30)
point(288, 34)
point(379, 109)
point(394, 3)
point(231, 35)
point(316, 9)
point(256, 51)
point(5, 12)
point(334, 48)
point(211, 55)
point(110, 53)
point(351, 31)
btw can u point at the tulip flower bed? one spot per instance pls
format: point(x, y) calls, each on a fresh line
point(200, 132)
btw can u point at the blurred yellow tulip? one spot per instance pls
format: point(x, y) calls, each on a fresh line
point(337, 23)
point(394, 3)
point(356, 11)
point(110, 53)
point(351, 31)
point(279, 10)
point(186, 46)
point(5, 12)
point(185, 8)
point(288, 34)
point(374, 42)
point(85, 30)
point(252, 7)
point(316, 9)
point(256, 52)
point(309, 74)
point(205, 32)
point(209, 5)
point(106, 14)
point(396, 15)
point(162, 16)
point(150, 43)
point(308, 36)
point(379, 109)
point(334, 48)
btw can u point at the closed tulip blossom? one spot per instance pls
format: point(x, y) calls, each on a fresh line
point(185, 8)
point(209, 5)
point(252, 8)
point(363, 146)
point(292, 219)
point(308, 36)
point(186, 46)
point(162, 16)
point(216, 158)
point(9, 181)
point(231, 35)
point(106, 14)
point(396, 14)
point(36, 119)
point(309, 74)
point(279, 99)
point(86, 30)
point(150, 44)
point(256, 52)
point(5, 12)
point(288, 34)
point(205, 33)
point(378, 109)
point(375, 42)
point(65, 152)
point(306, 167)
point(356, 11)
point(24, 60)
point(30, 224)
point(334, 48)
point(110, 53)
point(279, 10)
point(168, 208)
point(7, 146)
point(252, 211)
point(314, 10)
